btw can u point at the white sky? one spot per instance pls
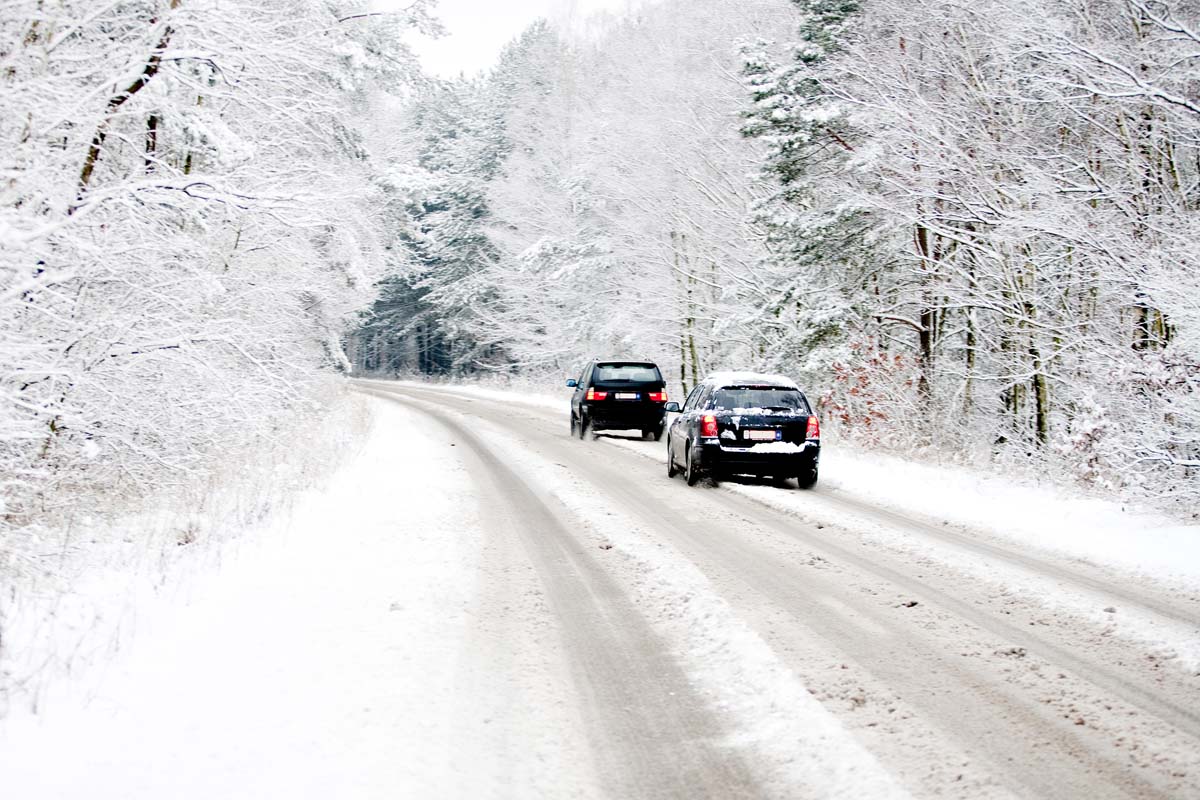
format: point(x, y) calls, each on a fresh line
point(478, 29)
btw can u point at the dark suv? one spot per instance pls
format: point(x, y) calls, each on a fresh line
point(619, 395)
point(745, 423)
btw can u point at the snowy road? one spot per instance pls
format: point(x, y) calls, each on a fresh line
point(477, 605)
point(638, 709)
point(697, 625)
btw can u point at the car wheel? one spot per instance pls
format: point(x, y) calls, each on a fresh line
point(583, 426)
point(671, 470)
point(691, 470)
point(657, 433)
point(574, 427)
point(808, 479)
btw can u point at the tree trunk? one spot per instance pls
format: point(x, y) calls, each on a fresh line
point(151, 141)
point(1041, 398)
point(926, 317)
point(153, 64)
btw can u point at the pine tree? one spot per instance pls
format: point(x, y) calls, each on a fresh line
point(452, 144)
point(823, 253)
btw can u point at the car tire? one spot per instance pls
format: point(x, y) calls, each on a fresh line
point(657, 433)
point(574, 427)
point(583, 427)
point(691, 470)
point(672, 471)
point(808, 479)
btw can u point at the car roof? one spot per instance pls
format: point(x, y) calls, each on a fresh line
point(722, 379)
point(638, 361)
point(630, 362)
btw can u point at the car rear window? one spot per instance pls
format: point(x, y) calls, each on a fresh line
point(750, 397)
point(641, 373)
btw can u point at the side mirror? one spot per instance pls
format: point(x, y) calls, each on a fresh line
point(672, 406)
point(572, 382)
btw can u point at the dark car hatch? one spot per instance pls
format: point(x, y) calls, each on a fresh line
point(748, 415)
point(628, 382)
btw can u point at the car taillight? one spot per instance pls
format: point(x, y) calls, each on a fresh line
point(658, 397)
point(814, 428)
point(594, 395)
point(708, 425)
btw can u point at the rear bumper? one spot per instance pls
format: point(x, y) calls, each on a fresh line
point(615, 416)
point(716, 458)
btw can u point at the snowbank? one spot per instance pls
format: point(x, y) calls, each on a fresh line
point(321, 649)
point(1047, 518)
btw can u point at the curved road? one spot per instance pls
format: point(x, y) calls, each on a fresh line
point(956, 686)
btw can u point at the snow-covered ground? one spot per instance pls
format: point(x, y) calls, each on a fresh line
point(399, 631)
point(337, 651)
point(316, 661)
point(1054, 521)
point(1041, 517)
point(1121, 603)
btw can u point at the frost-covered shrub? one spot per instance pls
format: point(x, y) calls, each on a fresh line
point(869, 396)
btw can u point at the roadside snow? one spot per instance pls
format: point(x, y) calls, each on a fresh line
point(319, 661)
point(1042, 517)
point(94, 573)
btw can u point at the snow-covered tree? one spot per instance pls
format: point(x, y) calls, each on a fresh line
point(431, 315)
point(1027, 172)
point(188, 218)
point(964, 227)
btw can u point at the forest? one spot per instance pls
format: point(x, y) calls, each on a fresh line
point(969, 230)
point(189, 219)
point(288, 502)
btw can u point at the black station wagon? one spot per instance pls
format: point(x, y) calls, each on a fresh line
point(743, 423)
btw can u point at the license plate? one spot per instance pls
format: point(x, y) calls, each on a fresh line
point(761, 436)
point(627, 395)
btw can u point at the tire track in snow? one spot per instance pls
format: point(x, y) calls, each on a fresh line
point(1148, 601)
point(652, 737)
point(1110, 778)
point(1165, 608)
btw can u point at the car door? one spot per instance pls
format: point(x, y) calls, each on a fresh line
point(680, 427)
point(698, 408)
point(580, 392)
